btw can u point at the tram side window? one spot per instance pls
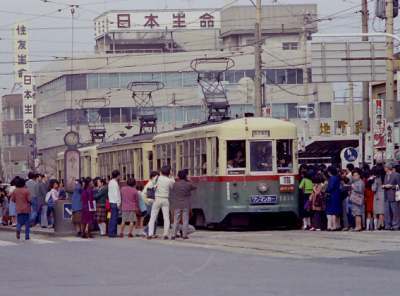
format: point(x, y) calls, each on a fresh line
point(284, 151)
point(150, 160)
point(236, 154)
point(261, 156)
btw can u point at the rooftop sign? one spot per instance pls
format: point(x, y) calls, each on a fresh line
point(130, 21)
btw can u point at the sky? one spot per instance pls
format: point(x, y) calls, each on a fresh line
point(50, 22)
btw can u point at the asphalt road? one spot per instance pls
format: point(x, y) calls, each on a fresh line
point(212, 263)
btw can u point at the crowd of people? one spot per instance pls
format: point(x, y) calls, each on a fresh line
point(352, 199)
point(101, 204)
point(330, 199)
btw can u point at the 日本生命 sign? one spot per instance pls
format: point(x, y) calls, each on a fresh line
point(24, 77)
point(156, 20)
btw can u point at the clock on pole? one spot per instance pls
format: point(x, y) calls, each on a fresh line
point(72, 160)
point(71, 139)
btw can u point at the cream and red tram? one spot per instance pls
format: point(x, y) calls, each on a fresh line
point(244, 169)
point(132, 156)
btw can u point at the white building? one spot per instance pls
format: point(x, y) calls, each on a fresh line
point(128, 50)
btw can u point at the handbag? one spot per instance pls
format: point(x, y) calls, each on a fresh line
point(397, 194)
point(92, 206)
point(151, 191)
point(357, 198)
point(307, 205)
point(318, 200)
point(142, 205)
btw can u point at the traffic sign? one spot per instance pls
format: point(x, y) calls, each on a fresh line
point(350, 154)
point(67, 211)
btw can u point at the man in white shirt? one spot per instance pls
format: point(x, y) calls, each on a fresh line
point(163, 184)
point(114, 197)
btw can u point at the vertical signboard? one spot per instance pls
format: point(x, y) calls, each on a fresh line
point(72, 168)
point(379, 124)
point(27, 104)
point(24, 77)
point(21, 52)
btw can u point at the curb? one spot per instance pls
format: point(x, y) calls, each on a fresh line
point(33, 231)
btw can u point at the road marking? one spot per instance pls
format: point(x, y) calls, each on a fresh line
point(75, 239)
point(41, 241)
point(7, 243)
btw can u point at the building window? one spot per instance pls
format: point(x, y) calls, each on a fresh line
point(299, 76)
point(279, 111)
point(109, 80)
point(290, 45)
point(115, 115)
point(76, 82)
point(189, 79)
point(292, 110)
point(173, 80)
point(291, 76)
point(156, 76)
point(93, 81)
point(105, 115)
point(284, 76)
point(325, 110)
point(126, 78)
point(19, 139)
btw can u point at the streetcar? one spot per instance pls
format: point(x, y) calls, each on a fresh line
point(245, 170)
point(132, 156)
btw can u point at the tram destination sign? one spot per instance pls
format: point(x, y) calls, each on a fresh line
point(354, 61)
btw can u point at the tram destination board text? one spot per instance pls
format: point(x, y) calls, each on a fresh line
point(263, 199)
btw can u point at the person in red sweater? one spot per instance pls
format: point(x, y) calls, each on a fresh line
point(22, 199)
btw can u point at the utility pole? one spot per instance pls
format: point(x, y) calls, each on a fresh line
point(351, 108)
point(258, 64)
point(390, 102)
point(305, 76)
point(365, 85)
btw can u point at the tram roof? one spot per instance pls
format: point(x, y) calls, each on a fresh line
point(127, 140)
point(235, 127)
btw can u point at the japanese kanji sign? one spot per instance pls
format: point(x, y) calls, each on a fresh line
point(28, 103)
point(153, 20)
point(23, 77)
point(21, 50)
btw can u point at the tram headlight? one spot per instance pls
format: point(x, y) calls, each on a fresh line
point(262, 187)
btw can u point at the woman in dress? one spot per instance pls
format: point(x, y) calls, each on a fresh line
point(12, 211)
point(101, 198)
point(369, 199)
point(317, 202)
point(357, 198)
point(306, 189)
point(88, 208)
point(334, 202)
point(379, 197)
point(77, 207)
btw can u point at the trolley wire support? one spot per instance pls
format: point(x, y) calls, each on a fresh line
point(142, 95)
point(96, 125)
point(209, 77)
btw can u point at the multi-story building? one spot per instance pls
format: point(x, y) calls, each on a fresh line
point(16, 147)
point(130, 46)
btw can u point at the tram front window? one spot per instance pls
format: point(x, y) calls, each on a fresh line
point(284, 151)
point(261, 156)
point(236, 158)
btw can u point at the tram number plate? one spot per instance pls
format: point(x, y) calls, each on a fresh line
point(263, 200)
